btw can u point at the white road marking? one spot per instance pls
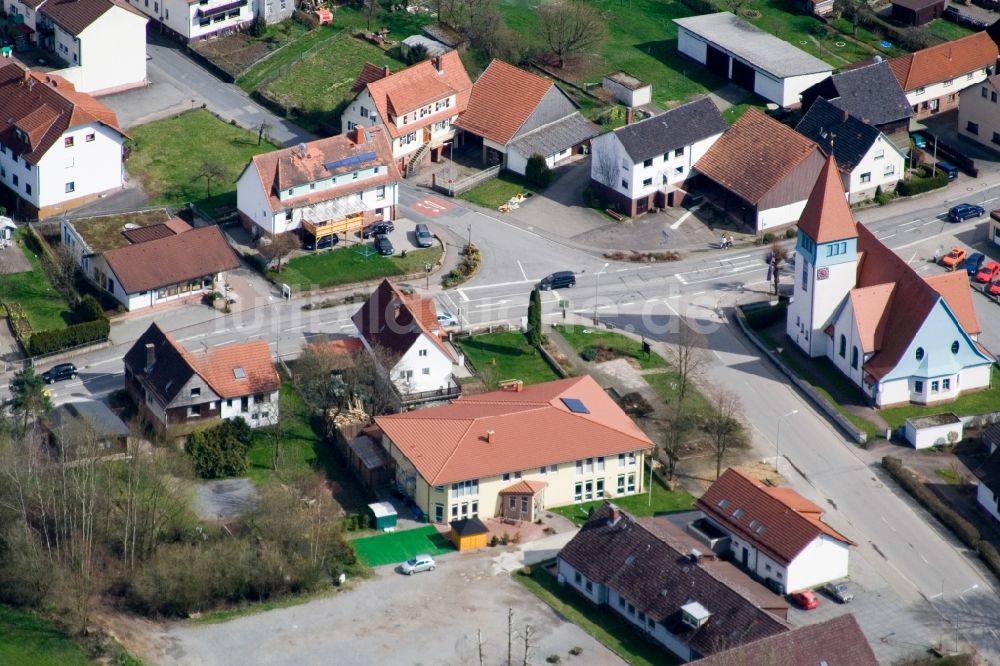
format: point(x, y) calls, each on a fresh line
point(522, 269)
point(683, 217)
point(462, 294)
point(931, 222)
point(620, 270)
point(492, 305)
point(906, 224)
point(886, 236)
point(491, 286)
point(990, 199)
point(680, 278)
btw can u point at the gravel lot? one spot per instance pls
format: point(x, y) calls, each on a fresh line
point(429, 618)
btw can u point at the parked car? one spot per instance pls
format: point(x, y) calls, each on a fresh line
point(376, 228)
point(58, 373)
point(918, 140)
point(324, 243)
point(839, 592)
point(558, 280)
point(951, 13)
point(993, 289)
point(973, 262)
point(953, 258)
point(417, 564)
point(424, 237)
point(950, 169)
point(988, 272)
point(446, 318)
point(964, 211)
point(383, 245)
point(805, 599)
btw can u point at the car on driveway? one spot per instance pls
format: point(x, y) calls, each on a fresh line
point(805, 599)
point(417, 563)
point(383, 245)
point(953, 258)
point(376, 228)
point(324, 243)
point(993, 289)
point(988, 272)
point(918, 140)
point(839, 592)
point(424, 237)
point(58, 373)
point(446, 318)
point(973, 262)
point(964, 211)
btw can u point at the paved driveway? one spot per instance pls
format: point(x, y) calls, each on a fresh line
point(429, 618)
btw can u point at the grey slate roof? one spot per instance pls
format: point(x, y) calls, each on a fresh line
point(870, 93)
point(646, 562)
point(170, 371)
point(556, 137)
point(676, 128)
point(989, 472)
point(852, 139)
point(87, 413)
point(761, 49)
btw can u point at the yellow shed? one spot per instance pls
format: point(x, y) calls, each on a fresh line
point(469, 533)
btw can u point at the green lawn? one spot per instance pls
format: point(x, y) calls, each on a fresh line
point(494, 193)
point(587, 337)
point(301, 444)
point(665, 385)
point(349, 264)
point(168, 156)
point(26, 640)
point(396, 547)
point(947, 30)
point(610, 629)
point(662, 501)
point(280, 59)
point(506, 355)
point(42, 304)
point(966, 405)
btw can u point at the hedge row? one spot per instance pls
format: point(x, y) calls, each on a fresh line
point(55, 340)
point(764, 317)
point(962, 528)
point(18, 321)
point(916, 185)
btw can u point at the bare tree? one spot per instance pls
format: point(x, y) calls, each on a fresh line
point(262, 130)
point(372, 9)
point(529, 633)
point(368, 380)
point(681, 425)
point(319, 378)
point(211, 170)
point(723, 425)
point(777, 257)
point(606, 162)
point(281, 246)
point(570, 27)
point(62, 268)
point(686, 359)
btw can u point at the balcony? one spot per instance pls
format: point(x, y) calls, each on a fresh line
point(342, 226)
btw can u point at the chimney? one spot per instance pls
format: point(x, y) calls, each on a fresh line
point(629, 116)
point(436, 61)
point(150, 356)
point(616, 514)
point(385, 71)
point(491, 436)
point(512, 385)
point(359, 136)
point(846, 115)
point(694, 555)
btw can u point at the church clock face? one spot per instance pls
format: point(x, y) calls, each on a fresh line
point(822, 273)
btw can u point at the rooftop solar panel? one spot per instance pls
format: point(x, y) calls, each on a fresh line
point(575, 406)
point(350, 161)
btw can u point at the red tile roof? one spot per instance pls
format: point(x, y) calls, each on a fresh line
point(286, 168)
point(869, 305)
point(944, 61)
point(171, 260)
point(502, 99)
point(369, 74)
point(954, 289)
point(524, 487)
point(827, 216)
point(754, 155)
point(784, 521)
point(218, 368)
point(531, 428)
point(75, 16)
point(43, 106)
point(407, 90)
point(387, 319)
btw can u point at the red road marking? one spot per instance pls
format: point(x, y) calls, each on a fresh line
point(431, 206)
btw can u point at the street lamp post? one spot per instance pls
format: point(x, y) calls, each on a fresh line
point(777, 442)
point(597, 292)
point(470, 236)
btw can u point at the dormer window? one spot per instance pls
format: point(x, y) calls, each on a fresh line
point(68, 142)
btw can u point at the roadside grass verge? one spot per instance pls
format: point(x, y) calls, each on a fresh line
point(661, 501)
point(604, 625)
point(582, 338)
point(397, 547)
point(169, 155)
point(506, 355)
point(495, 192)
point(348, 264)
point(27, 640)
point(665, 386)
point(44, 307)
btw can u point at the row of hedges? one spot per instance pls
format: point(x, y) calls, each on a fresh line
point(921, 184)
point(763, 317)
point(56, 340)
point(962, 528)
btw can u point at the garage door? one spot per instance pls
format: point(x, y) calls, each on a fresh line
point(743, 75)
point(717, 62)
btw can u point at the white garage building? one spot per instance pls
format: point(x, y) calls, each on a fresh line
point(751, 58)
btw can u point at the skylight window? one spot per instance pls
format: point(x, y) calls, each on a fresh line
point(575, 406)
point(738, 513)
point(754, 524)
point(239, 373)
point(723, 503)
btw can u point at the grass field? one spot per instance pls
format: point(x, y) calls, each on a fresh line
point(495, 192)
point(947, 30)
point(263, 71)
point(506, 355)
point(663, 501)
point(397, 547)
point(610, 629)
point(587, 337)
point(347, 265)
point(26, 640)
point(301, 444)
point(42, 304)
point(169, 155)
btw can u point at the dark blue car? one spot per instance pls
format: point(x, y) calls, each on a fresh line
point(973, 262)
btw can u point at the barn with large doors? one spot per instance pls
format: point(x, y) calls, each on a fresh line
point(749, 57)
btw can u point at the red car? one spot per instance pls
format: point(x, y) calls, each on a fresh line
point(993, 288)
point(806, 599)
point(988, 271)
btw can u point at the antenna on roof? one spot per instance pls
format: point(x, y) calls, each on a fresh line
point(302, 150)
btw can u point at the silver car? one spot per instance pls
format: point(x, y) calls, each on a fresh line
point(417, 564)
point(423, 235)
point(839, 592)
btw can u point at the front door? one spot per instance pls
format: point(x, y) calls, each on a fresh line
point(746, 557)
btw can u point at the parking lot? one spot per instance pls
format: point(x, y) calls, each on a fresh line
point(403, 238)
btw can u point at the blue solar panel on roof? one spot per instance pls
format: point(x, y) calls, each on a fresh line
point(575, 406)
point(350, 161)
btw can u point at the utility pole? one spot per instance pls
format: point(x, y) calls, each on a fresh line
point(510, 635)
point(597, 293)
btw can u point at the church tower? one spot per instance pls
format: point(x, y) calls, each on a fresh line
point(826, 262)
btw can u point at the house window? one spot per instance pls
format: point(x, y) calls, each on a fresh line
point(631, 609)
point(666, 156)
point(854, 357)
point(579, 467)
point(920, 90)
point(918, 386)
point(578, 492)
point(354, 176)
point(631, 458)
point(454, 511)
point(512, 503)
point(14, 179)
point(621, 602)
point(543, 470)
point(621, 459)
point(647, 182)
point(679, 169)
point(866, 177)
point(996, 138)
point(631, 483)
point(425, 371)
point(946, 384)
point(600, 464)
point(68, 142)
point(679, 152)
point(624, 163)
point(599, 488)
point(982, 92)
point(27, 188)
point(70, 187)
point(920, 353)
point(890, 170)
point(621, 484)
point(647, 163)
point(588, 466)
point(954, 347)
point(880, 155)
point(805, 276)
point(422, 352)
point(624, 184)
point(194, 411)
point(364, 112)
point(195, 392)
point(577, 578)
point(934, 386)
point(380, 190)
point(972, 128)
point(351, 125)
point(843, 346)
point(588, 490)
point(948, 83)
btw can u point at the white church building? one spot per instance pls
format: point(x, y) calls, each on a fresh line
point(898, 336)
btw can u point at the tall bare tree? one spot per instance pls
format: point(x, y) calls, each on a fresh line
point(687, 360)
point(723, 425)
point(211, 170)
point(778, 256)
point(372, 9)
point(570, 27)
point(281, 246)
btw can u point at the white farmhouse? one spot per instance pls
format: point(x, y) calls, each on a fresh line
point(774, 532)
point(58, 148)
point(751, 58)
point(638, 166)
point(399, 332)
point(979, 113)
point(325, 187)
point(866, 157)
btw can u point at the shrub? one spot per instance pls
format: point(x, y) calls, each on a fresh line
point(526, 571)
point(553, 659)
point(19, 322)
point(768, 238)
point(537, 171)
point(88, 309)
point(221, 451)
point(589, 354)
point(791, 232)
point(989, 555)
point(576, 651)
point(58, 339)
point(634, 404)
point(919, 185)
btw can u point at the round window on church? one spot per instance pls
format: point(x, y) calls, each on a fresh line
point(920, 353)
point(954, 347)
